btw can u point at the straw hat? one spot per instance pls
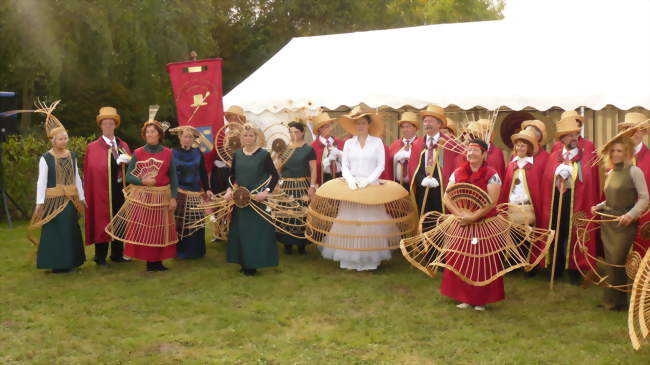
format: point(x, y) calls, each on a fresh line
point(235, 110)
point(178, 131)
point(376, 127)
point(626, 133)
point(435, 111)
point(474, 129)
point(322, 119)
point(631, 119)
point(528, 136)
point(452, 126)
point(573, 114)
point(566, 125)
point(108, 112)
point(409, 117)
point(539, 125)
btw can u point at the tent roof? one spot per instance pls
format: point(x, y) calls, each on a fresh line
point(573, 59)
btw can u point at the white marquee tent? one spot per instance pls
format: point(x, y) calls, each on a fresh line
point(566, 54)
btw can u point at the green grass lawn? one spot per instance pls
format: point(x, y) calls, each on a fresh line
point(306, 311)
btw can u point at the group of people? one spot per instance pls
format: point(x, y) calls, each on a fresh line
point(359, 195)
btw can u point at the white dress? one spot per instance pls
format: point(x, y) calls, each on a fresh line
point(361, 163)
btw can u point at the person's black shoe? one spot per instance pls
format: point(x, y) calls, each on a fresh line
point(152, 266)
point(60, 271)
point(250, 272)
point(101, 262)
point(288, 250)
point(161, 267)
point(575, 278)
point(120, 259)
point(302, 250)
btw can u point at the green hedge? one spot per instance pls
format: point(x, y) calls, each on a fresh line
point(20, 155)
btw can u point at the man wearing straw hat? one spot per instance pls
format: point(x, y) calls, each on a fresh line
point(432, 161)
point(104, 167)
point(328, 149)
point(570, 187)
point(583, 143)
point(400, 149)
point(538, 128)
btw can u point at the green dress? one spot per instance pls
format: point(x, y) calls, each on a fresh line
point(251, 240)
point(297, 175)
point(61, 244)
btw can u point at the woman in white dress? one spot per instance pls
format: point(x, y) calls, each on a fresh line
point(370, 215)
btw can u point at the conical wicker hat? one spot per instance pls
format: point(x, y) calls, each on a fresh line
point(178, 131)
point(528, 136)
point(435, 111)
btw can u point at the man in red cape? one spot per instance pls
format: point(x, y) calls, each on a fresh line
point(104, 165)
point(400, 149)
point(584, 144)
point(431, 164)
point(329, 150)
point(538, 128)
point(570, 183)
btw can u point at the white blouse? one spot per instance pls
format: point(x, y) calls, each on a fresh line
point(41, 183)
point(519, 195)
point(367, 162)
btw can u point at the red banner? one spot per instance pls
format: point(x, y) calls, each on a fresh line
point(198, 96)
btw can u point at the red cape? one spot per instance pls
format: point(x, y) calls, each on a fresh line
point(387, 174)
point(395, 147)
point(318, 148)
point(450, 159)
point(643, 162)
point(97, 189)
point(584, 145)
point(495, 159)
point(585, 194)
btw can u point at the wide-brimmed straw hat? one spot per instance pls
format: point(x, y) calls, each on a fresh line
point(108, 112)
point(632, 119)
point(435, 111)
point(565, 126)
point(322, 119)
point(376, 127)
point(539, 125)
point(409, 117)
point(235, 110)
point(528, 136)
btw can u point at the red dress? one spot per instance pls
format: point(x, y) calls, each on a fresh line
point(153, 235)
point(452, 285)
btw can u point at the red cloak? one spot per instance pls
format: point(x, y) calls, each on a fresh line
point(97, 188)
point(584, 194)
point(642, 160)
point(495, 159)
point(584, 145)
point(395, 147)
point(387, 174)
point(452, 285)
point(318, 148)
point(449, 158)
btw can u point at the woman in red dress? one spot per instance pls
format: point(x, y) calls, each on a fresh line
point(146, 223)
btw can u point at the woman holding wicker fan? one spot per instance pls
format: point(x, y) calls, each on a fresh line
point(626, 198)
point(193, 188)
point(145, 223)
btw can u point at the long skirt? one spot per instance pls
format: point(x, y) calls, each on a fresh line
point(616, 246)
point(61, 244)
point(192, 246)
point(360, 260)
point(251, 241)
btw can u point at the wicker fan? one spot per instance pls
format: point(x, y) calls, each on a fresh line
point(147, 169)
point(227, 141)
point(278, 138)
point(478, 253)
point(596, 271)
point(639, 311)
point(285, 213)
